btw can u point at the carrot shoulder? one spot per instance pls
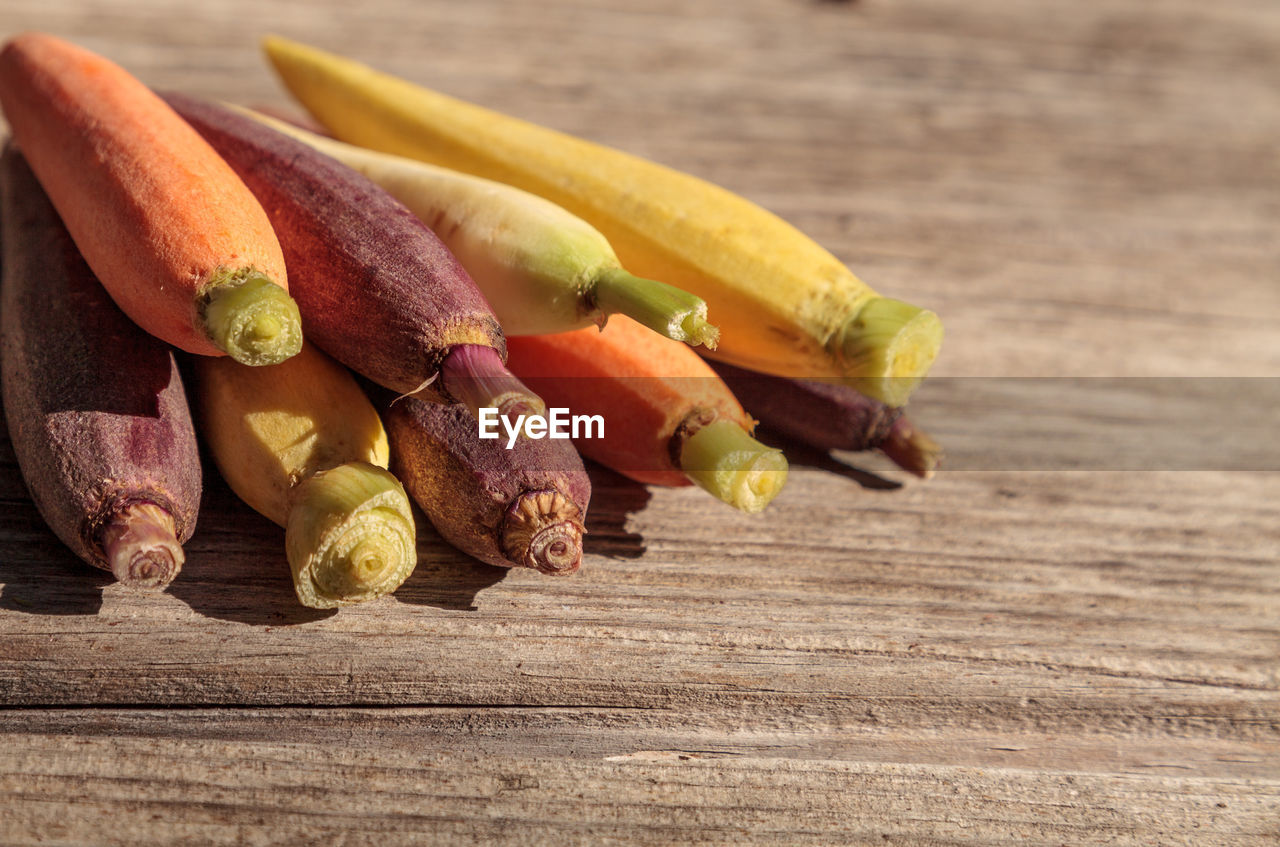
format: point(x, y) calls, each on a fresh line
point(176, 238)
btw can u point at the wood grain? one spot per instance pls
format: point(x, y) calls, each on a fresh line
point(253, 793)
point(1016, 652)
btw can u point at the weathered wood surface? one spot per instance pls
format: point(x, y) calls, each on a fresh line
point(996, 656)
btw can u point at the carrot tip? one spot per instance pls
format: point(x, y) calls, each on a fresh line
point(912, 449)
point(725, 461)
point(665, 309)
point(888, 347)
point(543, 530)
point(699, 331)
point(141, 547)
point(251, 318)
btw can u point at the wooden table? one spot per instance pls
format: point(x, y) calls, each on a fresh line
point(1038, 656)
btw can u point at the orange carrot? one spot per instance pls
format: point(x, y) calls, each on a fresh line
point(175, 237)
point(667, 418)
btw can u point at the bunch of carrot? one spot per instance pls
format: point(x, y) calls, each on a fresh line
point(422, 280)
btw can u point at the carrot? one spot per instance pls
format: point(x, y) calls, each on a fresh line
point(782, 302)
point(542, 269)
point(289, 116)
point(521, 507)
point(668, 419)
point(830, 416)
point(172, 233)
point(378, 290)
point(97, 412)
point(302, 445)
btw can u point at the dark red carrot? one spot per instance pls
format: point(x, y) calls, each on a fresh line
point(171, 232)
point(521, 507)
point(376, 288)
point(96, 409)
point(831, 416)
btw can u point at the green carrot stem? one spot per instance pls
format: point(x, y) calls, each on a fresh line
point(350, 536)
point(141, 546)
point(475, 376)
point(727, 462)
point(251, 318)
point(911, 448)
point(889, 346)
point(663, 308)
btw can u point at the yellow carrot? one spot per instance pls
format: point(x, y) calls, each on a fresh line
point(301, 444)
point(784, 305)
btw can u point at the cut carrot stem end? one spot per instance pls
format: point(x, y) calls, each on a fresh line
point(350, 536)
point(475, 376)
point(141, 546)
point(731, 465)
point(251, 318)
point(663, 308)
point(543, 530)
point(912, 449)
point(888, 347)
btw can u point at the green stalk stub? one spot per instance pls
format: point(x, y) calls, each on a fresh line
point(475, 376)
point(888, 347)
point(141, 547)
point(251, 318)
point(727, 462)
point(663, 308)
point(350, 536)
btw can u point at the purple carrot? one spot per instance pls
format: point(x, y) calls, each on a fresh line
point(830, 416)
point(377, 289)
point(518, 507)
point(96, 409)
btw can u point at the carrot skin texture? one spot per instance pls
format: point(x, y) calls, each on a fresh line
point(504, 507)
point(96, 409)
point(828, 416)
point(646, 388)
point(376, 288)
point(122, 169)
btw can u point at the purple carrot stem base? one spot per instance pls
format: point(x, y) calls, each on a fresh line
point(141, 548)
point(475, 376)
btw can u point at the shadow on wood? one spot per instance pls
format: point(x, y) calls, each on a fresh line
point(613, 498)
point(236, 568)
point(41, 577)
point(445, 577)
point(809, 457)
